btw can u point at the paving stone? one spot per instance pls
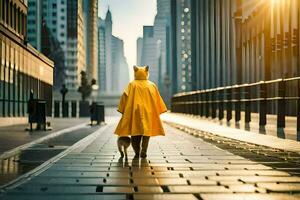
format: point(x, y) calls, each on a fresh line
point(252, 172)
point(53, 189)
point(172, 181)
point(118, 189)
point(145, 181)
point(66, 181)
point(257, 179)
point(198, 189)
point(198, 181)
point(248, 197)
point(149, 189)
point(164, 197)
point(245, 188)
point(280, 187)
point(63, 197)
point(116, 181)
point(73, 174)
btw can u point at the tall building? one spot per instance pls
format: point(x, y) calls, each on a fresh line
point(101, 55)
point(154, 48)
point(73, 26)
point(34, 23)
point(161, 30)
point(150, 52)
point(75, 53)
point(139, 51)
point(91, 37)
point(113, 73)
point(181, 45)
point(22, 68)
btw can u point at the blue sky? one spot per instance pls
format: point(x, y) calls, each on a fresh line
point(128, 17)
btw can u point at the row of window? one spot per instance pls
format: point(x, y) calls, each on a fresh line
point(12, 16)
point(20, 72)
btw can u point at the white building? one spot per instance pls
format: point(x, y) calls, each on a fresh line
point(113, 73)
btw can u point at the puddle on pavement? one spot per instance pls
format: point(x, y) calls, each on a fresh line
point(28, 159)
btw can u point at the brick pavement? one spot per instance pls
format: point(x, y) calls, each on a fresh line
point(179, 166)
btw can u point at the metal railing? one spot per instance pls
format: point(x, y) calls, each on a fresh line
point(264, 97)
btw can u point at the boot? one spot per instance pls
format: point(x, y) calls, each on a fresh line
point(145, 143)
point(136, 144)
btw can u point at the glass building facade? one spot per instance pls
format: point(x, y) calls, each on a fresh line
point(22, 68)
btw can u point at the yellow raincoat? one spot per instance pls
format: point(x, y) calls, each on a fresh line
point(141, 105)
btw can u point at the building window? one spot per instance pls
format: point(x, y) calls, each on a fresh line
point(54, 14)
point(54, 6)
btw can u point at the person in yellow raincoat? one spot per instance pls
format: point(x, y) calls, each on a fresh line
point(141, 105)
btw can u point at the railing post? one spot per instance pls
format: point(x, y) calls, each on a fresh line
point(221, 104)
point(237, 104)
point(185, 108)
point(195, 105)
point(298, 113)
point(206, 104)
point(281, 109)
point(247, 105)
point(229, 104)
point(191, 99)
point(198, 103)
point(263, 105)
point(213, 104)
point(201, 104)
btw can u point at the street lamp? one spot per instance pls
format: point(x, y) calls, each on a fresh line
point(95, 89)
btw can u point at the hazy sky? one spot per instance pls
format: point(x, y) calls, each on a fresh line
point(128, 18)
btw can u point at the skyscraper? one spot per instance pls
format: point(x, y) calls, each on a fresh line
point(154, 48)
point(112, 65)
point(181, 37)
point(91, 37)
point(139, 51)
point(34, 23)
point(150, 52)
point(73, 25)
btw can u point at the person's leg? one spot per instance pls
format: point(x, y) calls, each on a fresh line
point(145, 143)
point(136, 144)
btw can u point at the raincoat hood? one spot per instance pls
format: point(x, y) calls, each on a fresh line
point(141, 73)
point(141, 105)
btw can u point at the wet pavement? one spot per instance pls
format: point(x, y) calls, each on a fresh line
point(178, 166)
point(14, 136)
point(33, 156)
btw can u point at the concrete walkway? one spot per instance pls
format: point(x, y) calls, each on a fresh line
point(179, 166)
point(230, 132)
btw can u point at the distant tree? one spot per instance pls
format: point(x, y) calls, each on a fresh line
point(85, 88)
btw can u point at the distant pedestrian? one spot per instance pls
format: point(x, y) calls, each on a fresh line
point(141, 105)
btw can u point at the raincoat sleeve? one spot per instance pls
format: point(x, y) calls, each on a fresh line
point(123, 100)
point(161, 106)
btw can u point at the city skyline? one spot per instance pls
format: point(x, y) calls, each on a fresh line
point(122, 26)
